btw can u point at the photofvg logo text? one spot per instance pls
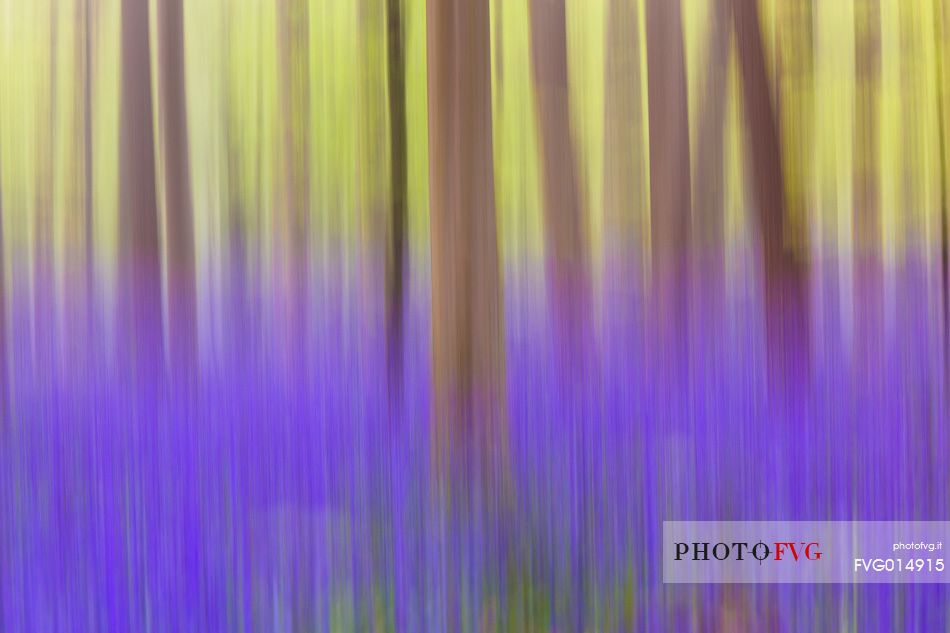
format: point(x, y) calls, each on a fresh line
point(741, 550)
point(803, 552)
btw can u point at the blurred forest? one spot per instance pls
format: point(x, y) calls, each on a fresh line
point(570, 240)
point(174, 143)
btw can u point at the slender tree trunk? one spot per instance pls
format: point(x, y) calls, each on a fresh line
point(867, 217)
point(768, 179)
point(47, 175)
point(499, 69)
point(709, 238)
point(867, 58)
point(563, 219)
point(88, 179)
point(669, 170)
point(139, 249)
point(182, 309)
point(4, 383)
point(238, 289)
point(396, 263)
point(294, 206)
point(626, 176)
point(467, 318)
point(941, 79)
point(624, 189)
point(785, 276)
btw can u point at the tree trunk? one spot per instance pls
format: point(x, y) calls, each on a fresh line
point(396, 262)
point(868, 274)
point(47, 174)
point(867, 58)
point(294, 205)
point(182, 310)
point(3, 311)
point(785, 276)
point(139, 249)
point(88, 179)
point(766, 156)
point(709, 238)
point(563, 219)
point(941, 24)
point(468, 343)
point(467, 323)
point(669, 170)
point(624, 189)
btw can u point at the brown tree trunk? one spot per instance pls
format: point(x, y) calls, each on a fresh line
point(563, 219)
point(294, 205)
point(624, 191)
point(709, 237)
point(467, 319)
point(237, 233)
point(88, 182)
point(766, 156)
point(139, 249)
point(182, 310)
point(3, 311)
point(468, 343)
point(785, 276)
point(940, 15)
point(669, 168)
point(46, 174)
point(867, 58)
point(868, 273)
point(396, 263)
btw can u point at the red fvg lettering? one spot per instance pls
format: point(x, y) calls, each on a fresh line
point(780, 550)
